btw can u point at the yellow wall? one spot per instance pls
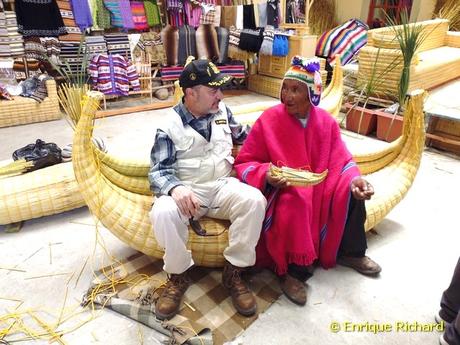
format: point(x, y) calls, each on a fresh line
point(350, 9)
point(421, 9)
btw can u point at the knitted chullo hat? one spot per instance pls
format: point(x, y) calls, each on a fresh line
point(306, 71)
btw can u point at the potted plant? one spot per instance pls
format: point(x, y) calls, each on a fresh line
point(410, 37)
point(367, 102)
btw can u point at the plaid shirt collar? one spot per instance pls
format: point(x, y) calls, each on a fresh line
point(186, 116)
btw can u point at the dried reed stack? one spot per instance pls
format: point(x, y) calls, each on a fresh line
point(449, 10)
point(322, 16)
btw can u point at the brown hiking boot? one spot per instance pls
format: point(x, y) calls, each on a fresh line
point(364, 265)
point(169, 302)
point(242, 298)
point(294, 289)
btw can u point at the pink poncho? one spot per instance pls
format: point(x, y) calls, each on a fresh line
point(301, 224)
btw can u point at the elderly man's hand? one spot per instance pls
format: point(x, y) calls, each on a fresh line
point(361, 189)
point(277, 182)
point(186, 201)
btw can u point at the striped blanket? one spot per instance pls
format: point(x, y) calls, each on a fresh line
point(173, 73)
point(345, 39)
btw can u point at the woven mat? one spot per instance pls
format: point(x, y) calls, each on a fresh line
point(209, 305)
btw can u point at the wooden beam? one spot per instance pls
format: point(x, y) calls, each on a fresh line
point(134, 109)
point(443, 139)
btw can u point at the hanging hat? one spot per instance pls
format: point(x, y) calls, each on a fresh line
point(306, 71)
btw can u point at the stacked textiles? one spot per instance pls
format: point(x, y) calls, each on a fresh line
point(95, 45)
point(73, 31)
point(118, 43)
point(5, 50)
point(72, 44)
point(43, 48)
point(72, 54)
point(15, 40)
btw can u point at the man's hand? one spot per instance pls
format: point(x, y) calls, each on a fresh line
point(277, 182)
point(186, 201)
point(361, 189)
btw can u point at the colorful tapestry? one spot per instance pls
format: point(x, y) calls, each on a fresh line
point(345, 40)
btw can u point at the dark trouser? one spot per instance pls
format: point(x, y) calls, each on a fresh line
point(450, 308)
point(353, 242)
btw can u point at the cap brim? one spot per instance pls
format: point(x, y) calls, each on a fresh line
point(220, 80)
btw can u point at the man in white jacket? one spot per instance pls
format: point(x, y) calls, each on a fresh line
point(190, 170)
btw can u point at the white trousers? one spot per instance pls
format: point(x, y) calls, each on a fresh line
point(240, 203)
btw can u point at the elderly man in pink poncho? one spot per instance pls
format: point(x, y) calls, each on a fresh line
point(323, 223)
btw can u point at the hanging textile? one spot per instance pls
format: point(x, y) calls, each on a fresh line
point(207, 44)
point(187, 43)
point(139, 17)
point(193, 12)
point(249, 21)
point(82, 14)
point(152, 12)
point(74, 32)
point(150, 47)
point(39, 18)
point(251, 40)
point(175, 9)
point(101, 15)
point(345, 39)
point(170, 39)
point(113, 74)
point(120, 13)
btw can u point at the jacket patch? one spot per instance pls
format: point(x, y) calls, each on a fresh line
point(221, 122)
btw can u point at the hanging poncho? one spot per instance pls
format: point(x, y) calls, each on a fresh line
point(39, 18)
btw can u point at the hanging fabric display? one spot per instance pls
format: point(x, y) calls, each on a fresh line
point(280, 45)
point(251, 40)
point(113, 74)
point(223, 37)
point(82, 14)
point(150, 47)
point(249, 21)
point(207, 46)
point(208, 13)
point(152, 12)
point(170, 39)
point(139, 17)
point(39, 18)
point(187, 43)
point(267, 44)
